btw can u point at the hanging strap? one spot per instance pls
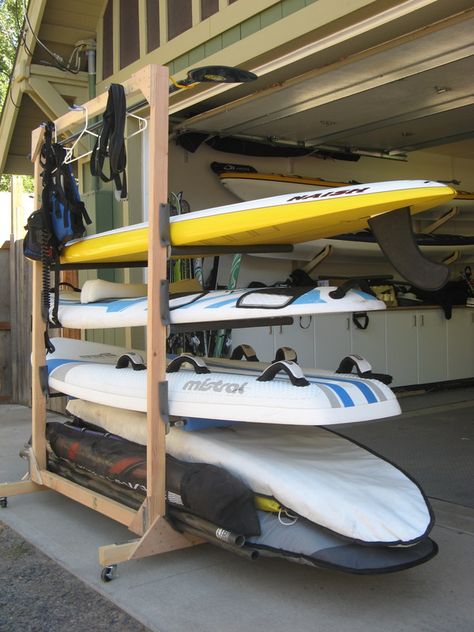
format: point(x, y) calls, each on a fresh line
point(360, 320)
point(111, 142)
point(54, 320)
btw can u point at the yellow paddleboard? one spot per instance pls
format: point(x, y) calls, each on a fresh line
point(282, 219)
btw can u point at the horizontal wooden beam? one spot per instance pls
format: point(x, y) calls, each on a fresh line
point(110, 508)
point(160, 538)
point(19, 487)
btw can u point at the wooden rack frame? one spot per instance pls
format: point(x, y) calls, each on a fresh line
point(148, 522)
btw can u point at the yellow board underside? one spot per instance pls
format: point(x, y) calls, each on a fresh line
point(278, 224)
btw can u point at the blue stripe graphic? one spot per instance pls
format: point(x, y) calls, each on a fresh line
point(313, 297)
point(55, 362)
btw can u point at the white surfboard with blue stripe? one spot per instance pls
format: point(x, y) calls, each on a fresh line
point(87, 371)
point(215, 306)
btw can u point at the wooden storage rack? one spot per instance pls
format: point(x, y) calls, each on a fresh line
point(148, 522)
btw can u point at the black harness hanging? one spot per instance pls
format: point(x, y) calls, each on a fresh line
point(111, 142)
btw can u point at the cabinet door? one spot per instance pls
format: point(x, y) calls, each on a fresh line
point(402, 342)
point(299, 336)
point(332, 340)
point(260, 338)
point(432, 346)
point(370, 343)
point(460, 330)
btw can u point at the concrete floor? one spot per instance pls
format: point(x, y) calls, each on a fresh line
point(205, 589)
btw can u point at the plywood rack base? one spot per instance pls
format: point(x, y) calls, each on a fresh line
point(148, 522)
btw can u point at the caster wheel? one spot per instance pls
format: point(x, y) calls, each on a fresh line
point(3, 502)
point(108, 573)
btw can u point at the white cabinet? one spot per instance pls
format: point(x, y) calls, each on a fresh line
point(432, 346)
point(460, 344)
point(402, 352)
point(267, 340)
point(332, 335)
point(370, 343)
point(415, 346)
point(299, 336)
point(260, 338)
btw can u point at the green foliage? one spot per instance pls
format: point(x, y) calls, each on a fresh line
point(27, 182)
point(4, 182)
point(11, 20)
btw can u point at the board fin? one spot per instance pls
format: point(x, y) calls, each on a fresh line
point(394, 234)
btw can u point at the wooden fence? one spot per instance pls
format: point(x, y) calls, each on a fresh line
point(20, 320)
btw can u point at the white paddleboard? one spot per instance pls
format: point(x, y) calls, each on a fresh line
point(217, 306)
point(87, 370)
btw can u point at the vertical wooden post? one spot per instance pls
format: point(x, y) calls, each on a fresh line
point(157, 95)
point(38, 355)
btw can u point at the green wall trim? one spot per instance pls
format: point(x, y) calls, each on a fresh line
point(248, 27)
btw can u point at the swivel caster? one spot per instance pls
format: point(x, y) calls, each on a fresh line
point(108, 572)
point(3, 502)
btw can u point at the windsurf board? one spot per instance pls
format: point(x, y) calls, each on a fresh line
point(87, 370)
point(284, 219)
point(215, 306)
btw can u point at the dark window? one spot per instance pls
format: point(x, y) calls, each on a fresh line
point(180, 17)
point(108, 41)
point(209, 7)
point(129, 34)
point(152, 25)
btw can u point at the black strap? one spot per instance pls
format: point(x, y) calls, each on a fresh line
point(54, 320)
point(197, 364)
point(111, 142)
point(292, 369)
point(74, 288)
point(131, 359)
point(244, 351)
point(285, 353)
point(362, 368)
point(355, 283)
point(360, 320)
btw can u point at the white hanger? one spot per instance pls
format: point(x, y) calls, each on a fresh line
point(70, 150)
point(143, 124)
point(69, 158)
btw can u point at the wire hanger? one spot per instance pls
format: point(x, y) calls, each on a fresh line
point(142, 125)
point(69, 157)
